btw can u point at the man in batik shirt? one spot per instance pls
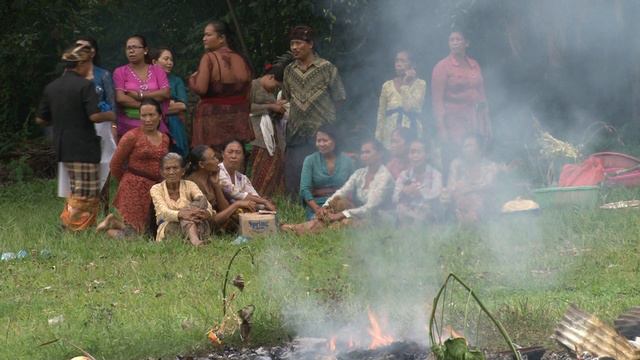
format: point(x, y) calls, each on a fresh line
point(70, 105)
point(312, 86)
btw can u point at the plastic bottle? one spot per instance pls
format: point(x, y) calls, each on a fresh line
point(6, 256)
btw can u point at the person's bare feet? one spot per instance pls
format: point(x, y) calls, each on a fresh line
point(197, 242)
point(105, 224)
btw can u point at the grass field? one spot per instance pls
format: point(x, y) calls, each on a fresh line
point(136, 299)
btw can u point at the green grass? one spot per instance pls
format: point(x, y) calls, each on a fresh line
point(136, 299)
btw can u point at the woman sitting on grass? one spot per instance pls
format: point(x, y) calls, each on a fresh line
point(471, 180)
point(417, 188)
point(181, 208)
point(399, 150)
point(136, 166)
point(367, 191)
point(323, 172)
point(204, 170)
point(236, 185)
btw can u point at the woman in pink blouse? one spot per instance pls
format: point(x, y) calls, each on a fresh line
point(459, 102)
point(138, 80)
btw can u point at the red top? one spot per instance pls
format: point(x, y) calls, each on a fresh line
point(136, 166)
point(457, 92)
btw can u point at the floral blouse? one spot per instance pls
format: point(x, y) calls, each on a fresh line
point(238, 191)
point(400, 107)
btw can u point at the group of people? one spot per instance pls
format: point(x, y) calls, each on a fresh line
point(132, 127)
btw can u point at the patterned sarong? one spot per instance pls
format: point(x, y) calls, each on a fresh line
point(84, 179)
point(267, 174)
point(82, 205)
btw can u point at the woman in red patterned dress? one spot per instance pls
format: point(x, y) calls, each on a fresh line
point(136, 166)
point(223, 81)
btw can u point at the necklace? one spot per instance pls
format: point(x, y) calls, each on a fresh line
point(143, 84)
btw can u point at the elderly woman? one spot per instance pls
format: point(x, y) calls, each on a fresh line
point(417, 188)
point(471, 180)
point(401, 100)
point(235, 185)
point(323, 172)
point(369, 189)
point(136, 81)
point(136, 166)
point(204, 170)
point(223, 82)
point(180, 205)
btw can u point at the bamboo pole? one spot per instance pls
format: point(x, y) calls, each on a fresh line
point(236, 24)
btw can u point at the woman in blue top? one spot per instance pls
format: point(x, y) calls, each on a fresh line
point(177, 105)
point(101, 78)
point(323, 172)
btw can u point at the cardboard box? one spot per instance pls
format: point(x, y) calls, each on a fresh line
point(253, 224)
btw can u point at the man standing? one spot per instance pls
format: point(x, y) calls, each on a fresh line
point(70, 105)
point(312, 86)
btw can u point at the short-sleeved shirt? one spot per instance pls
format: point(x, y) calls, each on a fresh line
point(312, 95)
point(67, 103)
point(125, 79)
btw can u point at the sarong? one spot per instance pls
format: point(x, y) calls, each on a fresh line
point(220, 120)
point(81, 209)
point(267, 173)
point(182, 227)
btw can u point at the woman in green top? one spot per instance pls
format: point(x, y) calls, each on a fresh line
point(176, 113)
point(323, 172)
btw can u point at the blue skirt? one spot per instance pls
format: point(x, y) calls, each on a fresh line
point(179, 143)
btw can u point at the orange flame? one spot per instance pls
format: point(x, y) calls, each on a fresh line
point(351, 344)
point(378, 338)
point(332, 343)
point(213, 337)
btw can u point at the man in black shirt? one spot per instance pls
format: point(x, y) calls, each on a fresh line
point(70, 105)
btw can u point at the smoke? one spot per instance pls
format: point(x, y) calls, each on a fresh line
point(381, 273)
point(566, 63)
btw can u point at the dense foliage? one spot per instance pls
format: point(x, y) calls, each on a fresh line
point(564, 62)
point(37, 31)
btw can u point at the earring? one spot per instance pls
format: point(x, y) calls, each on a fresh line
point(145, 53)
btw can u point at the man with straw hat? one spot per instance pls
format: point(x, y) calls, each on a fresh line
point(70, 105)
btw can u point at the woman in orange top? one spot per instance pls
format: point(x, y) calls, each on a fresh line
point(459, 102)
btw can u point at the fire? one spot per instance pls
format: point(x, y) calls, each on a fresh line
point(378, 338)
point(351, 344)
point(332, 343)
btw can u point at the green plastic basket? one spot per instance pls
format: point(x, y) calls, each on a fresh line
point(556, 197)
